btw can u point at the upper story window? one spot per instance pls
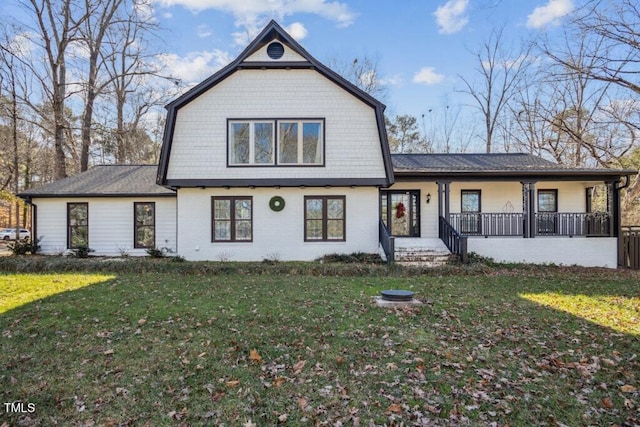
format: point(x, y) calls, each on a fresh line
point(296, 142)
point(251, 142)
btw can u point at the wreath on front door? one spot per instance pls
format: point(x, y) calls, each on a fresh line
point(400, 210)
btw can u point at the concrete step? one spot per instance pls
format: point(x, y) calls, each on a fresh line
point(423, 257)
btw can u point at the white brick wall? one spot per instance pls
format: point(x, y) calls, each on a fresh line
point(352, 143)
point(583, 251)
point(110, 224)
point(275, 234)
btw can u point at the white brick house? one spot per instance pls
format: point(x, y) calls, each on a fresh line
point(278, 157)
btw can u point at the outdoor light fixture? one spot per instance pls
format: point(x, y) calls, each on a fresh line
point(428, 197)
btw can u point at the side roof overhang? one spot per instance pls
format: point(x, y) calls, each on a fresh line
point(495, 167)
point(104, 181)
point(271, 32)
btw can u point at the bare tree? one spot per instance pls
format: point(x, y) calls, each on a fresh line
point(500, 73)
point(136, 81)
point(404, 135)
point(56, 24)
point(612, 28)
point(101, 15)
point(363, 72)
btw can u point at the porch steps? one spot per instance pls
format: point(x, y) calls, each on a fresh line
point(425, 253)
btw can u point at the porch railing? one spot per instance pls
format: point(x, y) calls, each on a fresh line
point(596, 224)
point(456, 243)
point(487, 224)
point(387, 241)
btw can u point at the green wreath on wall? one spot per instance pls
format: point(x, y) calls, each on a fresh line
point(276, 203)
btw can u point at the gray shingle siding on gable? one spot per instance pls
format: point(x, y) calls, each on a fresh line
point(271, 32)
point(105, 181)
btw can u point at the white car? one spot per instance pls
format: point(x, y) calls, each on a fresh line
point(10, 234)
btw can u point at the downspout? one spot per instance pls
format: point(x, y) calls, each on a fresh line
point(618, 217)
point(34, 218)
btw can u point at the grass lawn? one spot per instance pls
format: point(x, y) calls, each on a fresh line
point(546, 346)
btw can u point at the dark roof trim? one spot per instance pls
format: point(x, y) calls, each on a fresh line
point(278, 182)
point(270, 32)
point(515, 175)
point(69, 196)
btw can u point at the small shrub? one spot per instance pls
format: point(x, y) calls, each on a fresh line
point(155, 253)
point(82, 251)
point(178, 258)
point(272, 258)
point(123, 251)
point(23, 247)
point(356, 257)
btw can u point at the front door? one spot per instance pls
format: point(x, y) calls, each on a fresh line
point(400, 212)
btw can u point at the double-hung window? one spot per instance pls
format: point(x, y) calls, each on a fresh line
point(232, 219)
point(144, 223)
point(324, 218)
point(269, 142)
point(77, 225)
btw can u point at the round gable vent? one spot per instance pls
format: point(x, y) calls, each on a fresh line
point(275, 50)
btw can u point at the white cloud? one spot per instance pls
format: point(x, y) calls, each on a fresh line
point(395, 80)
point(297, 31)
point(451, 17)
point(252, 10)
point(194, 66)
point(550, 13)
point(428, 75)
point(204, 31)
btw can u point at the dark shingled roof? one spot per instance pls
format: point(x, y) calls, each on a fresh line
point(106, 180)
point(475, 162)
point(506, 165)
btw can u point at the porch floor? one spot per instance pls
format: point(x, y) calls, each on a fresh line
point(419, 243)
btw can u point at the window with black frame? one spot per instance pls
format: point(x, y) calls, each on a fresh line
point(232, 219)
point(324, 218)
point(77, 225)
point(144, 233)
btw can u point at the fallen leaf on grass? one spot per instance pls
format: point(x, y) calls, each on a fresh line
point(279, 381)
point(254, 356)
point(302, 403)
point(232, 383)
point(394, 408)
point(298, 367)
point(628, 388)
point(607, 403)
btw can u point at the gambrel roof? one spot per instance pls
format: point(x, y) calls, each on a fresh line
point(272, 32)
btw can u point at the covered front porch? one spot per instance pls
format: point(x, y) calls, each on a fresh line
point(536, 212)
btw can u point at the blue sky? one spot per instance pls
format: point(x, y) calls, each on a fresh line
point(421, 46)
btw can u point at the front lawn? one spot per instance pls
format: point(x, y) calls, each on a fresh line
point(546, 346)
